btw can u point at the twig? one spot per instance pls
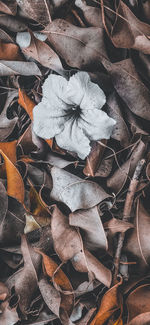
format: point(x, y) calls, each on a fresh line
point(126, 214)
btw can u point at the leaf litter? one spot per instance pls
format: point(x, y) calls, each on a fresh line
point(74, 234)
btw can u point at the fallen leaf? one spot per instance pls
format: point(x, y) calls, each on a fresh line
point(110, 303)
point(90, 221)
point(74, 191)
point(84, 46)
point(9, 52)
point(27, 282)
point(37, 11)
point(138, 304)
point(127, 31)
point(6, 125)
point(8, 316)
point(129, 86)
point(50, 295)
point(13, 178)
point(9, 7)
point(43, 53)
point(94, 159)
point(8, 68)
point(138, 240)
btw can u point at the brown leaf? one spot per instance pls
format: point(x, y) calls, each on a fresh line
point(8, 316)
point(90, 221)
point(84, 46)
point(50, 295)
point(120, 131)
point(8, 68)
point(110, 303)
point(13, 221)
point(73, 249)
point(37, 11)
point(13, 178)
point(9, 52)
point(84, 261)
point(127, 31)
point(12, 23)
point(9, 7)
point(4, 292)
point(138, 304)
point(27, 282)
point(92, 15)
point(116, 225)
point(38, 209)
point(9, 149)
point(66, 239)
point(75, 192)
point(6, 125)
point(138, 239)
point(61, 280)
point(120, 176)
point(94, 159)
point(130, 87)
point(43, 53)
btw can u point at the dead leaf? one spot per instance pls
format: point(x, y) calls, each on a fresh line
point(50, 295)
point(8, 316)
point(13, 178)
point(9, 7)
point(74, 191)
point(138, 239)
point(129, 86)
point(9, 52)
point(90, 221)
point(138, 304)
point(120, 131)
point(127, 31)
point(110, 303)
point(7, 125)
point(43, 53)
point(27, 282)
point(120, 176)
point(94, 159)
point(8, 68)
point(37, 11)
point(84, 47)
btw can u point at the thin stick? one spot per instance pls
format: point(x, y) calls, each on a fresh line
point(126, 214)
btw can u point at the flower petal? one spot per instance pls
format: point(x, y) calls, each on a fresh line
point(44, 125)
point(73, 139)
point(83, 92)
point(96, 124)
point(54, 94)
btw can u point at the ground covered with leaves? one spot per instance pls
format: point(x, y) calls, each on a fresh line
point(74, 233)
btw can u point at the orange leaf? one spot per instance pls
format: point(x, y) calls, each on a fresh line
point(9, 148)
point(26, 103)
point(9, 52)
point(60, 279)
point(111, 302)
point(38, 209)
point(15, 185)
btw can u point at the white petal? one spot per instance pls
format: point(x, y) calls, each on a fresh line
point(96, 124)
point(54, 95)
point(44, 125)
point(83, 92)
point(73, 139)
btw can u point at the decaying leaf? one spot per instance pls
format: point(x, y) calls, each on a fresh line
point(65, 184)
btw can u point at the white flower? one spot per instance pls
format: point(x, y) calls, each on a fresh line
point(71, 112)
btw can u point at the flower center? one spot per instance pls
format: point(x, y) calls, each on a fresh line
point(76, 111)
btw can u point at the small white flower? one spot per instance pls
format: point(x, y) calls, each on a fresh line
point(71, 112)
